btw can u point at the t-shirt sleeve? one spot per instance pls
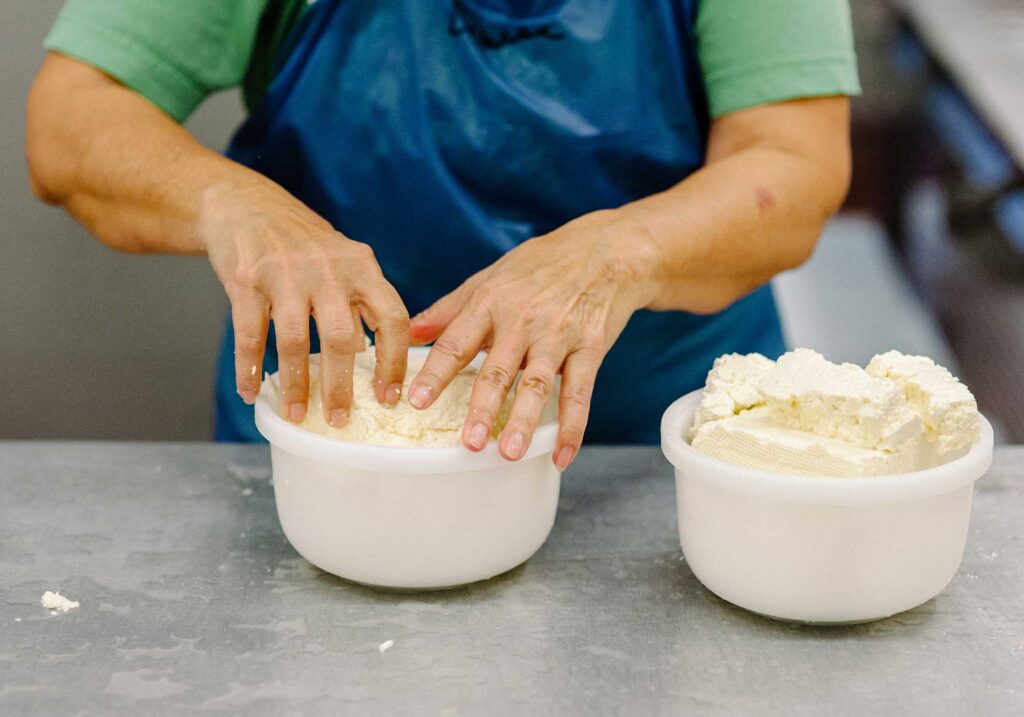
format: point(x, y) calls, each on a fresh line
point(174, 53)
point(754, 52)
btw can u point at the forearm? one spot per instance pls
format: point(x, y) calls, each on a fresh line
point(133, 176)
point(754, 210)
point(141, 183)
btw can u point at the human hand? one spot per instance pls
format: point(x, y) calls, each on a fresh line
point(554, 304)
point(278, 260)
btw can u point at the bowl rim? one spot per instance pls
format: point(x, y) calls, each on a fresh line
point(831, 490)
point(390, 459)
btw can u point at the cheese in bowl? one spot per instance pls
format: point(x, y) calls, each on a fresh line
point(374, 424)
point(804, 415)
point(825, 493)
point(392, 499)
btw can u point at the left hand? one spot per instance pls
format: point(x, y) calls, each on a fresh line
point(556, 303)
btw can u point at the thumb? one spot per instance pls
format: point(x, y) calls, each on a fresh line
point(430, 323)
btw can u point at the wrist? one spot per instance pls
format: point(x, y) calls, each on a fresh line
point(234, 197)
point(215, 210)
point(629, 244)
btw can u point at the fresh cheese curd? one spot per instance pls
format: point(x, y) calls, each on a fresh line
point(401, 425)
point(803, 414)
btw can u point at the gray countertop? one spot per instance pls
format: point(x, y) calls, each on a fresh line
point(192, 602)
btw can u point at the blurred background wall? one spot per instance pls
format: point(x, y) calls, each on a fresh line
point(93, 343)
point(96, 344)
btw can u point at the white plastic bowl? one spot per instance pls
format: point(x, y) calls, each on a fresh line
point(817, 549)
point(409, 518)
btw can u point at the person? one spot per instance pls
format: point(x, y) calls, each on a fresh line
point(593, 188)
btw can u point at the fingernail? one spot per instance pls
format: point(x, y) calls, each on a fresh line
point(564, 458)
point(420, 396)
point(339, 417)
point(392, 394)
point(296, 412)
point(248, 396)
point(514, 445)
point(477, 435)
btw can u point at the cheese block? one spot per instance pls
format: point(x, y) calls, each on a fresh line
point(731, 387)
point(842, 401)
point(946, 406)
point(756, 440)
point(805, 415)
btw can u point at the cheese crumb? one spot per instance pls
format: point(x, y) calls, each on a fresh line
point(385, 646)
point(55, 602)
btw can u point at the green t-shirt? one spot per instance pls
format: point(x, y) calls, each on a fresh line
point(752, 52)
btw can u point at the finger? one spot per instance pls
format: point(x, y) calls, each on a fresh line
point(340, 340)
point(578, 375)
point(385, 314)
point(452, 352)
point(291, 324)
point(492, 385)
point(429, 324)
point(532, 394)
point(249, 317)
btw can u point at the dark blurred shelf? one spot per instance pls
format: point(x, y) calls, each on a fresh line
point(981, 45)
point(960, 184)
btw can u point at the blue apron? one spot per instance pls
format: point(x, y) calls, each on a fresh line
point(445, 133)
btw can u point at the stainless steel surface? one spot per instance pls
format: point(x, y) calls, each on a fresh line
point(192, 602)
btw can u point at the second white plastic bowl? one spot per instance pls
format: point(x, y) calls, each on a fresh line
point(410, 518)
point(819, 549)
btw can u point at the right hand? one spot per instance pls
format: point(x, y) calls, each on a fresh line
point(279, 260)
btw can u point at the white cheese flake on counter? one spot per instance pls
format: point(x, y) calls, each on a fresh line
point(57, 603)
point(385, 646)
